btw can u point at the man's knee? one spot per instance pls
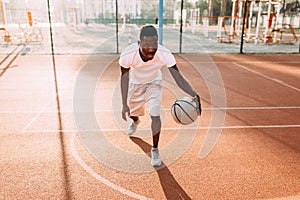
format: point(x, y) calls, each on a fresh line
point(155, 124)
point(156, 121)
point(155, 118)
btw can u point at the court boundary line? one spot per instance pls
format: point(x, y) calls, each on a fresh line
point(267, 77)
point(165, 109)
point(248, 62)
point(167, 129)
point(38, 114)
point(26, 129)
point(98, 177)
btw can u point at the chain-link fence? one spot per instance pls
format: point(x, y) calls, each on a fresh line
point(108, 26)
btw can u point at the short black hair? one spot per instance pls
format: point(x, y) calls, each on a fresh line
point(148, 30)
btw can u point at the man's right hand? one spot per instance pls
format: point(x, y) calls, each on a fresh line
point(125, 112)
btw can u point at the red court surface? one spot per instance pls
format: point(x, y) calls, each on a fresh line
point(53, 140)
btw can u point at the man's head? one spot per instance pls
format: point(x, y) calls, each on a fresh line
point(148, 42)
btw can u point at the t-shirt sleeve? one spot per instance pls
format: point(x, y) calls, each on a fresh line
point(123, 61)
point(167, 57)
point(126, 56)
point(170, 60)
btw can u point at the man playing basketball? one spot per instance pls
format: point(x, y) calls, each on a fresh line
point(141, 82)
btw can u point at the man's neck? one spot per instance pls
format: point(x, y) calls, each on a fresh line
point(143, 58)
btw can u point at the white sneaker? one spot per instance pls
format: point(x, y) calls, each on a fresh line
point(132, 127)
point(155, 157)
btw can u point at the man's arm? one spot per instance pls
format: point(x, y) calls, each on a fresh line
point(184, 85)
point(181, 81)
point(124, 90)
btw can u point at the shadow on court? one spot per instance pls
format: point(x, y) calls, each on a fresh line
point(170, 186)
point(9, 65)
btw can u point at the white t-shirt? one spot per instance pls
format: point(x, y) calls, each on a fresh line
point(145, 72)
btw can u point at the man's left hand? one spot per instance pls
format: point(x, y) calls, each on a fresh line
point(198, 103)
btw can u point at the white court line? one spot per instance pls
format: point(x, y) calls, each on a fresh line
point(245, 62)
point(99, 177)
point(255, 108)
point(267, 77)
point(166, 129)
point(27, 130)
point(38, 114)
point(165, 109)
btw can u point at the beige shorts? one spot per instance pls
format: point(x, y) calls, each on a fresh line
point(139, 94)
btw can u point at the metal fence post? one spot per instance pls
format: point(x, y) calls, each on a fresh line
point(243, 27)
point(181, 22)
point(117, 27)
point(160, 21)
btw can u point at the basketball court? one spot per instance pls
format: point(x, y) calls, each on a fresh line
point(62, 136)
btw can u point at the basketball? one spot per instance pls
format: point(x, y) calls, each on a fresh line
point(184, 111)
